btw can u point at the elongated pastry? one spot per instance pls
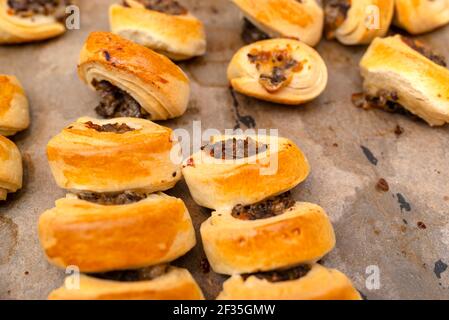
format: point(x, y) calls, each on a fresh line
point(419, 16)
point(278, 70)
point(301, 20)
point(133, 81)
point(275, 233)
point(313, 282)
point(114, 155)
point(243, 170)
point(155, 283)
point(25, 21)
point(14, 110)
point(11, 170)
point(164, 26)
point(99, 233)
point(402, 74)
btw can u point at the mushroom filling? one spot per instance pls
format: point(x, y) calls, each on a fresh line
point(250, 33)
point(385, 100)
point(268, 208)
point(291, 274)
point(117, 103)
point(276, 67)
point(29, 8)
point(425, 51)
point(112, 199)
point(336, 12)
point(110, 127)
point(233, 149)
point(144, 274)
point(165, 6)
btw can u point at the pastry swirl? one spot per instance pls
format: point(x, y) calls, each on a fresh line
point(11, 170)
point(14, 109)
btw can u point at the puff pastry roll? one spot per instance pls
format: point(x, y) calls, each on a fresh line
point(155, 283)
point(113, 156)
point(275, 233)
point(164, 26)
point(11, 170)
point(133, 81)
point(129, 230)
point(243, 170)
point(402, 74)
point(419, 16)
point(14, 110)
point(278, 70)
point(357, 22)
point(299, 283)
point(27, 21)
point(301, 20)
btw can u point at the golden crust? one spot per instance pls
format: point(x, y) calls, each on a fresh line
point(99, 238)
point(82, 158)
point(177, 284)
point(421, 85)
point(156, 83)
point(10, 168)
point(14, 113)
point(319, 284)
point(178, 37)
point(302, 235)
point(285, 18)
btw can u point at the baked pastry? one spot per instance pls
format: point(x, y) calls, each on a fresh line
point(301, 20)
point(272, 234)
point(27, 21)
point(421, 16)
point(243, 170)
point(114, 155)
point(132, 80)
point(357, 22)
point(11, 170)
point(164, 26)
point(402, 74)
point(313, 282)
point(278, 70)
point(99, 233)
point(156, 283)
point(14, 110)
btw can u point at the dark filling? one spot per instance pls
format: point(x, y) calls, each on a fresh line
point(111, 199)
point(28, 8)
point(425, 51)
point(117, 103)
point(144, 274)
point(268, 208)
point(234, 148)
point(335, 12)
point(250, 33)
point(166, 6)
point(281, 275)
point(110, 127)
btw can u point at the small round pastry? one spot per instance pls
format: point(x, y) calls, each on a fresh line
point(155, 283)
point(14, 110)
point(403, 75)
point(27, 21)
point(164, 26)
point(99, 233)
point(421, 16)
point(301, 20)
point(133, 81)
point(11, 170)
point(243, 170)
point(272, 234)
point(278, 70)
point(313, 282)
point(357, 22)
point(114, 155)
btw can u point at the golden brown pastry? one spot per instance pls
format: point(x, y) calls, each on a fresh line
point(132, 80)
point(99, 233)
point(402, 73)
point(301, 20)
point(278, 70)
point(113, 156)
point(275, 233)
point(170, 283)
point(164, 26)
point(10, 168)
point(419, 16)
point(357, 22)
point(14, 113)
point(299, 283)
point(262, 166)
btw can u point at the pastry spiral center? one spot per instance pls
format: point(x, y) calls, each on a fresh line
point(112, 199)
point(234, 149)
point(28, 8)
point(281, 275)
point(110, 127)
point(336, 12)
point(166, 6)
